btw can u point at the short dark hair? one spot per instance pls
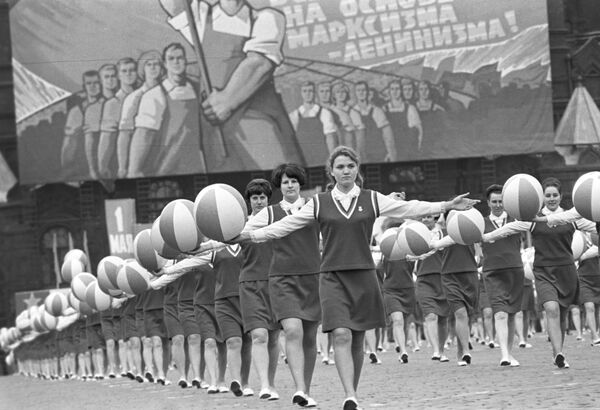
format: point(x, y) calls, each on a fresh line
point(291, 170)
point(551, 181)
point(493, 189)
point(258, 186)
point(89, 73)
point(172, 46)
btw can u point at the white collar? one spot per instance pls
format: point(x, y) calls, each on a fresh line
point(340, 196)
point(546, 211)
point(288, 206)
point(495, 218)
point(312, 112)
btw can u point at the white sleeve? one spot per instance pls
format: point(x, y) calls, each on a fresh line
point(151, 110)
point(294, 119)
point(356, 119)
point(413, 117)
point(508, 229)
point(563, 218)
point(592, 252)
point(326, 118)
point(287, 225)
point(380, 118)
point(406, 209)
point(586, 225)
point(266, 37)
point(260, 220)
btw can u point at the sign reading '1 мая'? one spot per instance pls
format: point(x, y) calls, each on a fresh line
point(120, 221)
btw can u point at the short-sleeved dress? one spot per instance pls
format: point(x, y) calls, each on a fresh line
point(204, 304)
point(349, 289)
point(399, 287)
point(294, 271)
point(227, 263)
point(255, 302)
point(459, 277)
point(503, 274)
point(553, 266)
point(429, 290)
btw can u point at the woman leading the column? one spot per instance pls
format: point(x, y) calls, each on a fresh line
point(351, 300)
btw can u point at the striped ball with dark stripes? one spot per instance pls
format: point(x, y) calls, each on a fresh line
point(177, 226)
point(413, 238)
point(133, 279)
point(158, 243)
point(465, 227)
point(80, 283)
point(55, 303)
point(586, 196)
point(107, 270)
point(96, 298)
point(220, 212)
point(48, 321)
point(522, 196)
point(144, 252)
point(71, 268)
point(388, 245)
point(76, 254)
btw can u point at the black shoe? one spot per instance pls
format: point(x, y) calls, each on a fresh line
point(160, 381)
point(504, 363)
point(149, 376)
point(397, 349)
point(435, 358)
point(467, 358)
point(130, 375)
point(373, 358)
point(299, 398)
point(350, 404)
point(236, 388)
point(196, 383)
point(404, 358)
point(470, 346)
point(559, 360)
point(139, 378)
point(183, 383)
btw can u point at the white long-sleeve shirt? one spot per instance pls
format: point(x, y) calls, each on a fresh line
point(305, 215)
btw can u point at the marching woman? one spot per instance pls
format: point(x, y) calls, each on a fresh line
point(589, 287)
point(257, 315)
point(399, 300)
point(351, 300)
point(554, 269)
point(294, 280)
point(430, 295)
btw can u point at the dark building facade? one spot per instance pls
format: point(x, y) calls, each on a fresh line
point(33, 216)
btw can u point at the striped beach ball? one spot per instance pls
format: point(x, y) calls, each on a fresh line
point(56, 303)
point(133, 279)
point(96, 298)
point(586, 196)
point(465, 227)
point(80, 283)
point(76, 254)
point(159, 244)
point(177, 226)
point(48, 321)
point(71, 268)
point(522, 196)
point(144, 252)
point(389, 246)
point(84, 308)
point(73, 301)
point(413, 238)
point(220, 212)
point(107, 270)
point(579, 244)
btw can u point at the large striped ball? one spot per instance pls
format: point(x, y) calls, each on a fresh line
point(80, 283)
point(145, 253)
point(177, 226)
point(389, 246)
point(522, 197)
point(220, 212)
point(159, 244)
point(107, 270)
point(96, 298)
point(71, 268)
point(14, 333)
point(55, 303)
point(73, 301)
point(413, 238)
point(133, 279)
point(37, 325)
point(586, 196)
point(84, 308)
point(465, 227)
point(22, 321)
point(48, 321)
point(579, 244)
point(76, 254)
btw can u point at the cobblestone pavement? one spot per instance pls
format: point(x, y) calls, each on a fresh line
point(421, 383)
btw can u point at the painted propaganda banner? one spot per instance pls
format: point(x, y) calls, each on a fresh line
point(115, 89)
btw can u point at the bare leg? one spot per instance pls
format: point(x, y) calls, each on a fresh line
point(399, 334)
point(462, 331)
point(194, 341)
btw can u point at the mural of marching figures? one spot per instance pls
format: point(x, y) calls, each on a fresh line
point(114, 89)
